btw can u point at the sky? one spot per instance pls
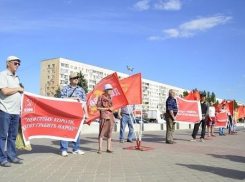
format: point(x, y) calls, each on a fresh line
point(185, 43)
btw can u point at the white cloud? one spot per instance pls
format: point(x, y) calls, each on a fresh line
point(172, 32)
point(142, 5)
point(168, 5)
point(202, 24)
point(193, 27)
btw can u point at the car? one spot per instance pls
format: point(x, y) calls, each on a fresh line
point(138, 121)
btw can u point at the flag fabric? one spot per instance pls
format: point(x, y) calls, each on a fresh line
point(193, 95)
point(241, 113)
point(132, 88)
point(55, 118)
point(221, 120)
point(118, 96)
point(188, 111)
point(190, 96)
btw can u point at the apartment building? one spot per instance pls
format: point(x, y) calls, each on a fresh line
point(55, 73)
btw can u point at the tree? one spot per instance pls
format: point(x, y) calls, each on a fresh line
point(57, 93)
point(185, 93)
point(83, 82)
point(235, 104)
point(21, 85)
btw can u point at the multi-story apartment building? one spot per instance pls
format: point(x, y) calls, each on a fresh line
point(55, 73)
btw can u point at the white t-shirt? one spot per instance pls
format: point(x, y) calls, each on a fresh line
point(212, 111)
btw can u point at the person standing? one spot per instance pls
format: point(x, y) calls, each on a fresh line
point(73, 91)
point(171, 112)
point(107, 120)
point(205, 112)
point(10, 105)
point(126, 116)
point(211, 120)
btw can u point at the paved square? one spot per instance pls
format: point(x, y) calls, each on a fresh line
point(219, 159)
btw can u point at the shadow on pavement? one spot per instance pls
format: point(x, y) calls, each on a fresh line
point(233, 158)
point(227, 173)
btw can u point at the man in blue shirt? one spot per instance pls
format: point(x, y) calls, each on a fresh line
point(171, 112)
point(126, 115)
point(73, 91)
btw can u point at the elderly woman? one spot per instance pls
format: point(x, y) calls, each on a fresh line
point(107, 120)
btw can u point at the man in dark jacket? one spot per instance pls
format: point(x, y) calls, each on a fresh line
point(205, 111)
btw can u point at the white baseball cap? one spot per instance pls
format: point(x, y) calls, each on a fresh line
point(12, 58)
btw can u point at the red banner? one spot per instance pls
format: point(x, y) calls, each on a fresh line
point(188, 111)
point(45, 117)
point(132, 88)
point(221, 119)
point(119, 98)
point(193, 96)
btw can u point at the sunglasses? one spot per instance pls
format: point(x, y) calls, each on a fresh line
point(75, 78)
point(15, 63)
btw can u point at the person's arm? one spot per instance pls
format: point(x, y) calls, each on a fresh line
point(119, 114)
point(170, 108)
point(11, 91)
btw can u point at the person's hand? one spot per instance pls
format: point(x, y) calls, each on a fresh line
point(110, 109)
point(77, 98)
point(20, 90)
point(119, 116)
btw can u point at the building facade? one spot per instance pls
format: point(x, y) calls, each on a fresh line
point(55, 73)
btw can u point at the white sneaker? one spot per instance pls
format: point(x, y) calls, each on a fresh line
point(64, 153)
point(193, 140)
point(79, 152)
point(201, 140)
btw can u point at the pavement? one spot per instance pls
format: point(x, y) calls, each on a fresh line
point(220, 159)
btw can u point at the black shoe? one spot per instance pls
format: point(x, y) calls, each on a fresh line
point(131, 141)
point(169, 142)
point(5, 164)
point(16, 161)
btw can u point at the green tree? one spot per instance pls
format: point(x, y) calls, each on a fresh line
point(83, 82)
point(21, 85)
point(185, 93)
point(57, 93)
point(235, 104)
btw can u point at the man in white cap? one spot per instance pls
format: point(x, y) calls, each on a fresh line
point(10, 101)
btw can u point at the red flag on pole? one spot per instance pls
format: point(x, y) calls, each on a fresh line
point(241, 113)
point(119, 98)
point(132, 88)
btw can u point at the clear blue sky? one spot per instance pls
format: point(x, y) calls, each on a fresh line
point(188, 43)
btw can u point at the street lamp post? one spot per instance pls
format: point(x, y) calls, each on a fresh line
point(130, 69)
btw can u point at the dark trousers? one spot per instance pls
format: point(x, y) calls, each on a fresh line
point(196, 128)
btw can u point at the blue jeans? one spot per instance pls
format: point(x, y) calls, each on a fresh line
point(9, 124)
point(221, 131)
point(126, 121)
point(75, 145)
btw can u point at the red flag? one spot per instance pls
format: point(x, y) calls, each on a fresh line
point(45, 117)
point(217, 107)
point(190, 96)
point(188, 111)
point(132, 88)
point(196, 95)
point(230, 107)
point(240, 112)
point(119, 98)
point(221, 119)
